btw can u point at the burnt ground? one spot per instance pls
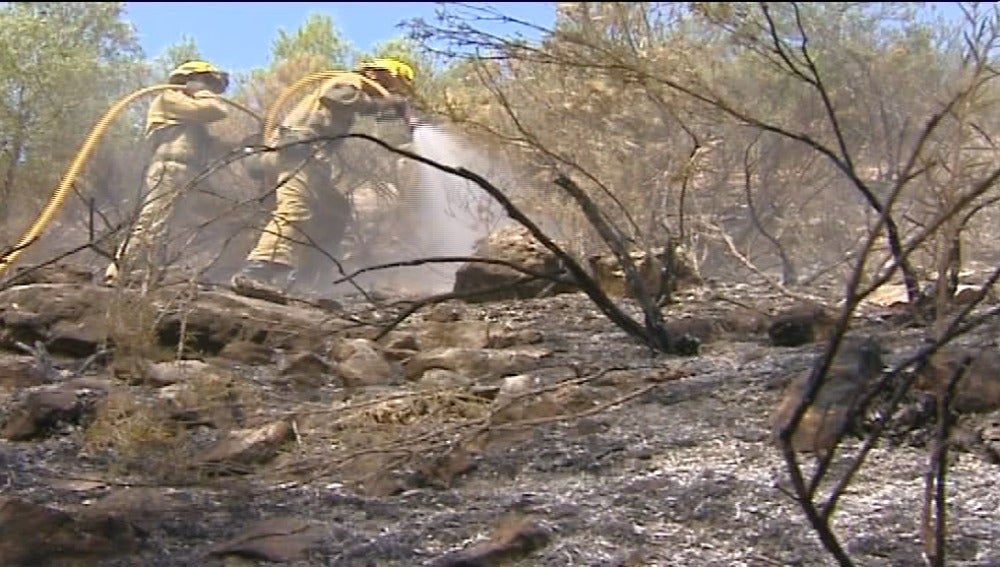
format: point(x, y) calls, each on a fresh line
point(682, 474)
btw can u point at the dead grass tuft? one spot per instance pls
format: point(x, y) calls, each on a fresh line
point(136, 432)
point(439, 406)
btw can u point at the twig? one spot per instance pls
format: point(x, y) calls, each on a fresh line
point(655, 332)
point(441, 297)
point(935, 490)
point(586, 283)
point(731, 246)
point(457, 259)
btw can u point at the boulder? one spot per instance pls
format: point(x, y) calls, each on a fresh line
point(800, 324)
point(856, 366)
point(516, 245)
point(978, 389)
point(76, 320)
point(41, 535)
point(361, 363)
point(661, 273)
point(477, 364)
point(44, 408)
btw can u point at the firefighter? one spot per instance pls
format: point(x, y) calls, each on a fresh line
point(179, 141)
point(311, 211)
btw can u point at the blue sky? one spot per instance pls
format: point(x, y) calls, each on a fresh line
point(238, 36)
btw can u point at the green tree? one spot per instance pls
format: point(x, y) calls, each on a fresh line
point(186, 49)
point(316, 36)
point(317, 45)
point(61, 65)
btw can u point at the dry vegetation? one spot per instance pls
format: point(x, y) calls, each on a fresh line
point(808, 147)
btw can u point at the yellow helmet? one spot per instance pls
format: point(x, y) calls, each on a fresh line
point(185, 70)
point(395, 67)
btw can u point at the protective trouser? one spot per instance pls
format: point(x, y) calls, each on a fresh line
point(146, 245)
point(309, 219)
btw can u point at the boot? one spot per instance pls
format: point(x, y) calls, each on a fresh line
point(269, 281)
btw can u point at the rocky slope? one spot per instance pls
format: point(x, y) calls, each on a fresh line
point(532, 431)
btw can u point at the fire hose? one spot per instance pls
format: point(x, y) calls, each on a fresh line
point(97, 132)
point(79, 160)
point(271, 116)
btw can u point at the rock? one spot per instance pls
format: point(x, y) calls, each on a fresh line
point(799, 325)
point(40, 535)
point(53, 273)
point(247, 352)
point(660, 273)
point(445, 312)
point(18, 372)
point(67, 318)
point(477, 364)
point(506, 338)
point(167, 373)
point(978, 390)
point(516, 245)
point(471, 334)
point(305, 363)
point(143, 507)
point(73, 320)
point(243, 448)
point(400, 340)
point(857, 364)
point(279, 540)
point(46, 407)
point(704, 329)
point(211, 320)
point(361, 364)
point(512, 540)
point(441, 379)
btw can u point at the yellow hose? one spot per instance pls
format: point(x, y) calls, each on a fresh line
point(66, 183)
point(271, 116)
point(59, 195)
point(241, 107)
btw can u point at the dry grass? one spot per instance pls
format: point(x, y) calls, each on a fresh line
point(132, 331)
point(435, 407)
point(136, 432)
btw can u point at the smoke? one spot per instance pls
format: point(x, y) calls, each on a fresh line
point(215, 224)
point(439, 214)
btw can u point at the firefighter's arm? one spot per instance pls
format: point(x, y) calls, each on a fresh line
point(202, 106)
point(348, 98)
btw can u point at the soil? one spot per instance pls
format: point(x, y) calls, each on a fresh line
point(681, 474)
